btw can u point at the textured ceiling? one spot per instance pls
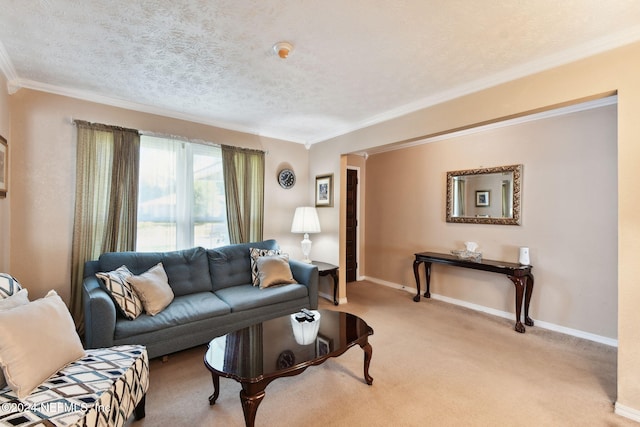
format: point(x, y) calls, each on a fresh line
point(354, 62)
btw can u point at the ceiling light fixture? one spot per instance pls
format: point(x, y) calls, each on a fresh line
point(282, 49)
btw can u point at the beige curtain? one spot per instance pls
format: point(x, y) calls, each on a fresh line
point(459, 197)
point(244, 192)
point(244, 351)
point(107, 165)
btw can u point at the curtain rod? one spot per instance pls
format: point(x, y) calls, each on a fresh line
point(75, 122)
point(194, 141)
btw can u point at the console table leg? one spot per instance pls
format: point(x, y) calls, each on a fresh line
point(416, 273)
point(216, 389)
point(527, 299)
point(519, 282)
point(335, 287)
point(427, 273)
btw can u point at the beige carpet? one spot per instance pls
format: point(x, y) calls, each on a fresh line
point(434, 364)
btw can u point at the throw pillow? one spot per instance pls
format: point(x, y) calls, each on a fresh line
point(27, 333)
point(9, 285)
point(19, 298)
point(153, 289)
point(126, 299)
point(254, 254)
point(274, 270)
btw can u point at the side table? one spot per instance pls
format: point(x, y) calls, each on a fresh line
point(326, 269)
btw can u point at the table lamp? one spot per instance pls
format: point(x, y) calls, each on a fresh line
point(305, 220)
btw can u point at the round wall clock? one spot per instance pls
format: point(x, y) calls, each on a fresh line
point(286, 359)
point(286, 178)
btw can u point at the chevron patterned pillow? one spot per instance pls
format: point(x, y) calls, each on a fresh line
point(9, 285)
point(126, 299)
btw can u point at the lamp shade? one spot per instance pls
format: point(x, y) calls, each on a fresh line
point(305, 220)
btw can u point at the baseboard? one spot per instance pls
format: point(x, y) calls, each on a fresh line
point(330, 297)
point(539, 323)
point(627, 412)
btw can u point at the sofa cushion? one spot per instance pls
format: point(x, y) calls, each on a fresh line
point(153, 288)
point(9, 285)
point(31, 331)
point(183, 309)
point(187, 270)
point(116, 285)
point(274, 270)
point(247, 296)
point(231, 265)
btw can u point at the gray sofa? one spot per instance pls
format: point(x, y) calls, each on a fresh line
point(213, 295)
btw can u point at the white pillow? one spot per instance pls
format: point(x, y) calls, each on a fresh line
point(36, 341)
point(19, 298)
point(153, 289)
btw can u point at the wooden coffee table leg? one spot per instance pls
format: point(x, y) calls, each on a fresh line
point(250, 406)
point(368, 351)
point(216, 389)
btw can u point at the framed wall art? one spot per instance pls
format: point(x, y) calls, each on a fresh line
point(4, 167)
point(482, 198)
point(324, 345)
point(324, 190)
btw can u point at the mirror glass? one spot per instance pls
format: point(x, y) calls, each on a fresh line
point(485, 196)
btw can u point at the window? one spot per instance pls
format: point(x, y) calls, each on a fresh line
point(181, 202)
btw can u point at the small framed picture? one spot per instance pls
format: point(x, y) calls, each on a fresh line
point(4, 167)
point(324, 345)
point(324, 190)
point(482, 198)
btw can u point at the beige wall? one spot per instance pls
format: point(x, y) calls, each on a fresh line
point(43, 180)
point(5, 131)
point(569, 217)
point(606, 73)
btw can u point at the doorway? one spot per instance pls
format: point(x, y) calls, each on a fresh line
point(351, 220)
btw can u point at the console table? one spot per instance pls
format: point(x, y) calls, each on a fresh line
point(520, 275)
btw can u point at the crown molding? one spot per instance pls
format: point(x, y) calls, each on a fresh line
point(7, 68)
point(582, 106)
point(143, 108)
point(586, 50)
point(589, 49)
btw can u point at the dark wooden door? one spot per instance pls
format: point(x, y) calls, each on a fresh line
point(352, 224)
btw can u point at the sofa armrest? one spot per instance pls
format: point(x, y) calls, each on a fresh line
point(306, 274)
point(99, 314)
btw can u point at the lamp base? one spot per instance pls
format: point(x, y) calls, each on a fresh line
point(306, 248)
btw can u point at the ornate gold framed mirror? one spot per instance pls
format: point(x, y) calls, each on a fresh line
point(485, 196)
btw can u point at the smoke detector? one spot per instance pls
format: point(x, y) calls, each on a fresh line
point(282, 49)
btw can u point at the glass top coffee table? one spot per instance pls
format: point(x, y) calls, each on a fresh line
point(282, 347)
